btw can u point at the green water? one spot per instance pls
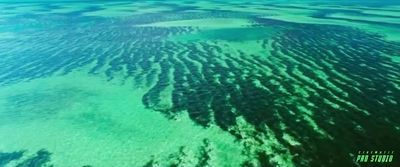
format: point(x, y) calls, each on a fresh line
point(197, 83)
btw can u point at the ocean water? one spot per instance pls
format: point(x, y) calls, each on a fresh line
point(198, 83)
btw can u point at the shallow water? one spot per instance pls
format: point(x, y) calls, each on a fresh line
point(197, 83)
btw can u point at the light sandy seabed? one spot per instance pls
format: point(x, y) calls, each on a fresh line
point(90, 121)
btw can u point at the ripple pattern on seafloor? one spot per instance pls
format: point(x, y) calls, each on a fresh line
point(305, 94)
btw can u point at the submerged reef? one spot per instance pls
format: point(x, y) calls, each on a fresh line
point(301, 94)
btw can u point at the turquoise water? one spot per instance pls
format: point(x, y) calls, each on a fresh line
point(197, 83)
